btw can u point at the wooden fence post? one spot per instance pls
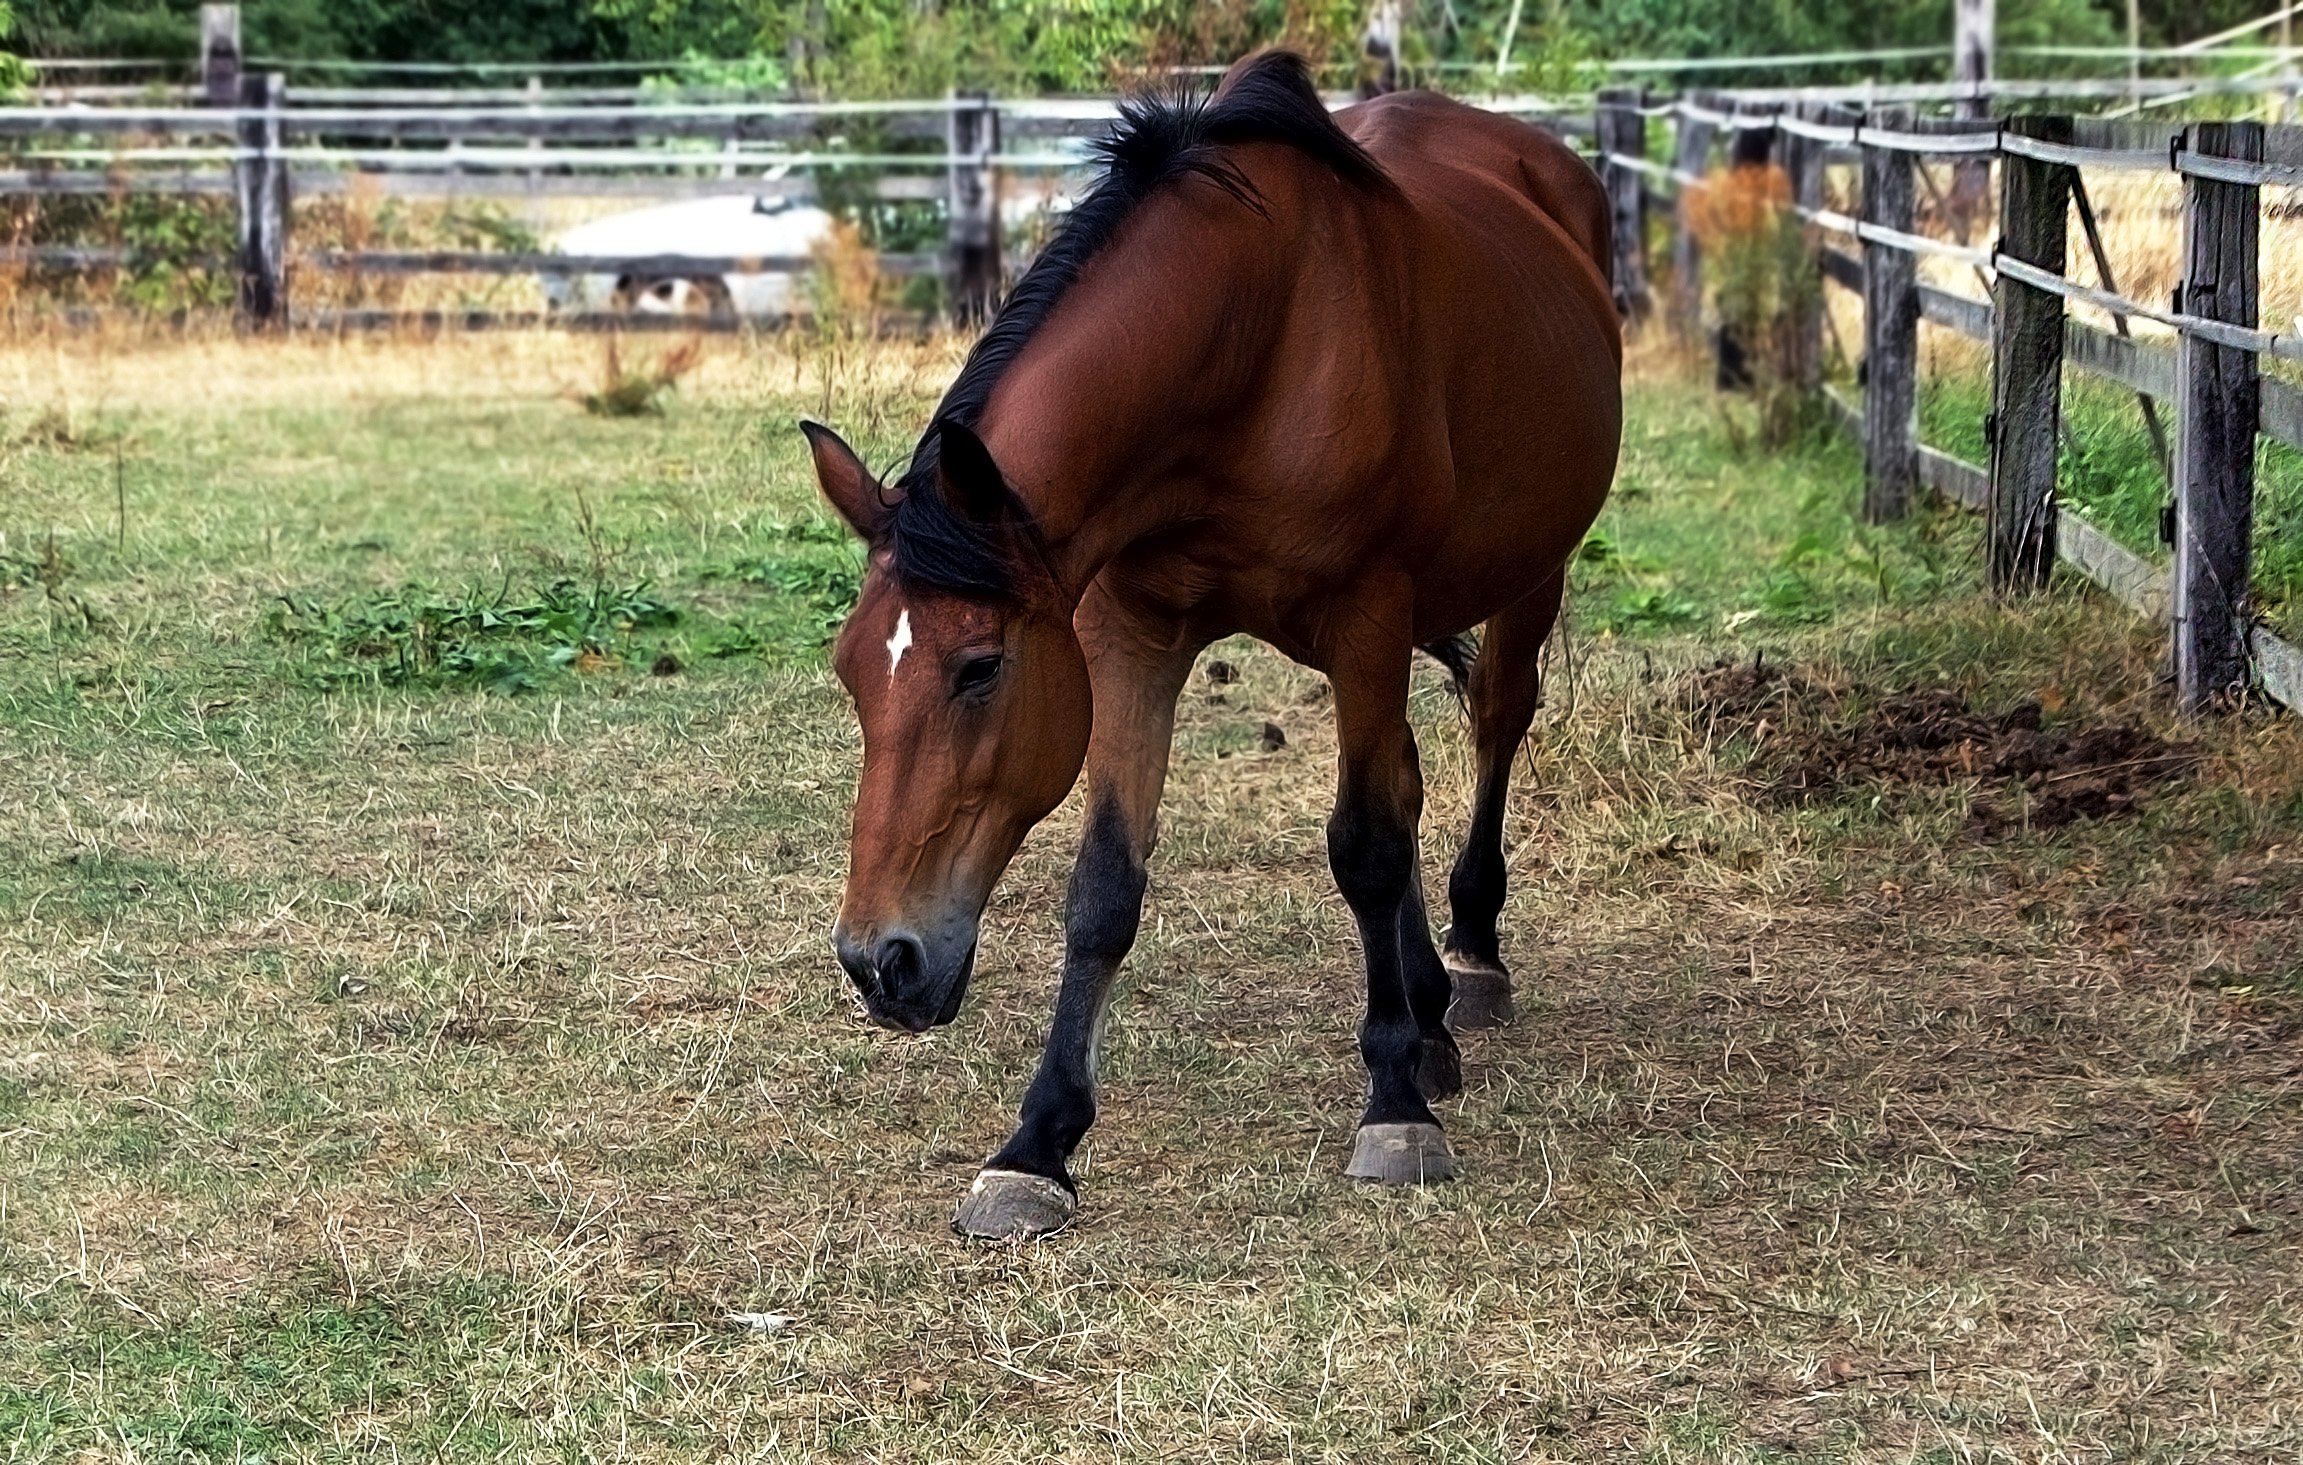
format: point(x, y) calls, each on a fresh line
point(1890, 331)
point(974, 226)
point(1379, 48)
point(535, 91)
point(1623, 133)
point(1974, 26)
point(220, 55)
point(1802, 162)
point(1691, 156)
point(260, 179)
point(2219, 393)
point(2027, 363)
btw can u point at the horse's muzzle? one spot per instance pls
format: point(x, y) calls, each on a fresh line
point(902, 982)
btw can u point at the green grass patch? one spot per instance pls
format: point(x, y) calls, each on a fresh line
point(1704, 538)
point(501, 641)
point(2110, 471)
point(453, 547)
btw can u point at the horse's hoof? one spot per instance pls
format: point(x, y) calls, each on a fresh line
point(1006, 1204)
point(1482, 994)
point(1400, 1154)
point(1440, 1073)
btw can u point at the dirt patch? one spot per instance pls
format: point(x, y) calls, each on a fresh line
point(1753, 698)
point(1813, 741)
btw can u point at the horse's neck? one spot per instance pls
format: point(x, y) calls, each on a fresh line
point(1098, 420)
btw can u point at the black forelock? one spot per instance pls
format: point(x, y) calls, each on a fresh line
point(1161, 137)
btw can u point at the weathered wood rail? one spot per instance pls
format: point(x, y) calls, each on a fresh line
point(2211, 375)
point(262, 151)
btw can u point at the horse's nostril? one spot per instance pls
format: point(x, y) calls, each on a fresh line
point(854, 960)
point(898, 960)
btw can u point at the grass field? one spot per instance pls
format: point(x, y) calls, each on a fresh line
point(2110, 471)
point(421, 809)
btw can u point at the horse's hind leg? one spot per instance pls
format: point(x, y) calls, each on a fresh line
point(1439, 1069)
point(1506, 687)
point(1371, 846)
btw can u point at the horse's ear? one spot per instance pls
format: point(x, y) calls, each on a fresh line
point(853, 492)
point(971, 482)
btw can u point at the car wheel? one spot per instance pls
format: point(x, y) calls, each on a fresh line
point(675, 295)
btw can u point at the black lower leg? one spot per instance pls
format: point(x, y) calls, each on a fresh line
point(1475, 887)
point(1439, 1072)
point(1506, 689)
point(1427, 981)
point(1101, 911)
point(1372, 851)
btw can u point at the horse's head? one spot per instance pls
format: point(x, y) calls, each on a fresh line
point(973, 696)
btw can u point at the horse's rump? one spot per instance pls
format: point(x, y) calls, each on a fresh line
point(1436, 147)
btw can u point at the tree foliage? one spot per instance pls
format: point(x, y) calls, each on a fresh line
point(12, 72)
point(904, 47)
point(379, 30)
point(881, 47)
point(1784, 27)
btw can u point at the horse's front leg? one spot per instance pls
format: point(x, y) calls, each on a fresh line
point(1137, 666)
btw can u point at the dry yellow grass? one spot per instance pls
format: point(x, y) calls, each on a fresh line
point(2140, 217)
point(133, 365)
point(423, 1072)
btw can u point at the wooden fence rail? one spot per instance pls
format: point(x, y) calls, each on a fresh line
point(2211, 375)
point(260, 150)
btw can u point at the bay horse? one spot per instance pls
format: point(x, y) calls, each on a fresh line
point(1348, 384)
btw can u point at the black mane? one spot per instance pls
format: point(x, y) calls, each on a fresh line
point(1160, 138)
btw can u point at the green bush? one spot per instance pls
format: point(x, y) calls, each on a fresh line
point(13, 74)
point(179, 247)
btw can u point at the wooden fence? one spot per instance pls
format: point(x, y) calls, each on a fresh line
point(264, 150)
point(2210, 379)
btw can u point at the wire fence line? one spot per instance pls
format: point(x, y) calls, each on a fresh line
point(526, 159)
point(2152, 91)
point(2222, 45)
point(259, 140)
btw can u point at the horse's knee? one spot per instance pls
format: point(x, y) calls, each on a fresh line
point(1371, 849)
point(1104, 903)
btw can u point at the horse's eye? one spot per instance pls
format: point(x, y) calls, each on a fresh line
point(976, 676)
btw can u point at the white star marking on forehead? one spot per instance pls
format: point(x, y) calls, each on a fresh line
point(899, 643)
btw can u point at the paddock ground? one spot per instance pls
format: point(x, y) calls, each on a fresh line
point(426, 1070)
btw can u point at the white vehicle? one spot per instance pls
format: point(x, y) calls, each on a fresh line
point(732, 226)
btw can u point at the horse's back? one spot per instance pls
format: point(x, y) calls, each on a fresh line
point(1440, 148)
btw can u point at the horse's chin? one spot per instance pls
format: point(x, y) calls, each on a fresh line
point(959, 990)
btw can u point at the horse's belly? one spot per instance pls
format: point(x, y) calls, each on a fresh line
point(1521, 506)
point(1473, 578)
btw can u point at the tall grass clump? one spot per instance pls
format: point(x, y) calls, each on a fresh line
point(639, 391)
point(1762, 278)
